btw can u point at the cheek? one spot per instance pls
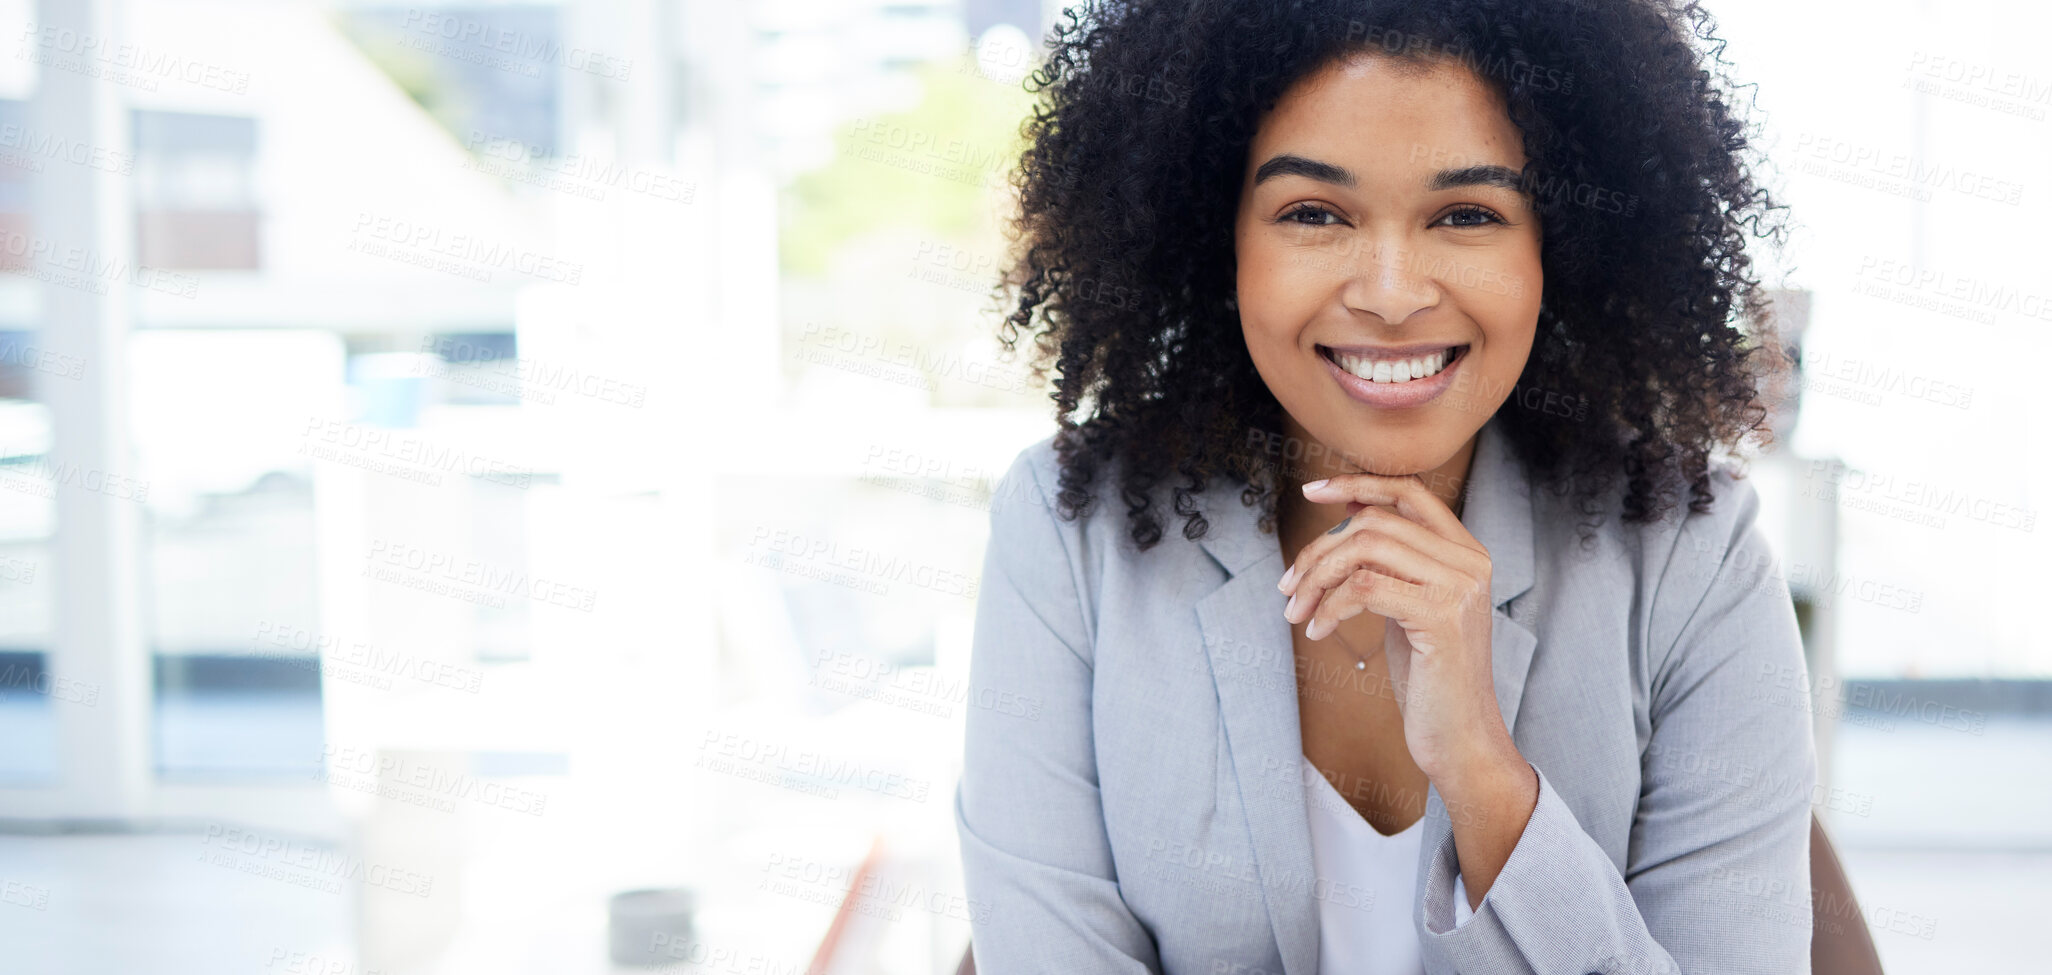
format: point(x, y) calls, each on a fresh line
point(1288, 272)
point(1273, 305)
point(1270, 339)
point(1503, 298)
point(1503, 311)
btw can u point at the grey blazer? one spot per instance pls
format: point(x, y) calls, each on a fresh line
point(1130, 798)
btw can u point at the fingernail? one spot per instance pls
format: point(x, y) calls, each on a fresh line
point(1315, 485)
point(1290, 610)
point(1319, 628)
point(1284, 585)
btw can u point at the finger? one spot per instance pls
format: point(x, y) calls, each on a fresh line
point(1372, 548)
point(1401, 602)
point(1407, 493)
point(1369, 546)
point(1426, 622)
point(1382, 519)
point(1422, 608)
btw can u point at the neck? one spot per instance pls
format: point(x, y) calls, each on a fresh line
point(1301, 520)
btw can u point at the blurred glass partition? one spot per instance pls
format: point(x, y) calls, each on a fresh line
point(230, 584)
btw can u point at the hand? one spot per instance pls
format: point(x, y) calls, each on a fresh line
point(1403, 555)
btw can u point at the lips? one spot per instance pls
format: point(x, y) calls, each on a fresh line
point(1439, 364)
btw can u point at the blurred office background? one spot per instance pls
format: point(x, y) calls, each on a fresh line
point(466, 462)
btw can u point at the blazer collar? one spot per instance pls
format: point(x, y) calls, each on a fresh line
point(1253, 663)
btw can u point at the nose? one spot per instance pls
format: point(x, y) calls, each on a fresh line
point(1389, 281)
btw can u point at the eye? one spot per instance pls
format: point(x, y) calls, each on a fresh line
point(1485, 217)
point(1317, 213)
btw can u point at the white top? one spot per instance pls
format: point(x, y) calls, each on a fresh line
point(1365, 886)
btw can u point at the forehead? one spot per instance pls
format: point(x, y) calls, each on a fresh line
point(1377, 113)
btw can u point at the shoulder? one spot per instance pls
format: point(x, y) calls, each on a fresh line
point(1682, 542)
point(1031, 535)
point(1027, 517)
point(1708, 568)
point(1023, 502)
point(1686, 543)
point(1036, 462)
point(1670, 565)
point(1699, 546)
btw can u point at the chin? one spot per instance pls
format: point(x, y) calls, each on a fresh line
point(1418, 454)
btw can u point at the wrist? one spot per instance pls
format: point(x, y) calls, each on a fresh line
point(1487, 777)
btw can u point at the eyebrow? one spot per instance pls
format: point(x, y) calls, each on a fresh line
point(1287, 164)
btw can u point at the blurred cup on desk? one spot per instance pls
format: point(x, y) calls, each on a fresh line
point(651, 927)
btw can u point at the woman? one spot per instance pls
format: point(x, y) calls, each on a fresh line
point(1421, 317)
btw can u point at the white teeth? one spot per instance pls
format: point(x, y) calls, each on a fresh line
point(1392, 371)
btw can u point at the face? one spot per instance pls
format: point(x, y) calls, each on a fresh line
point(1381, 230)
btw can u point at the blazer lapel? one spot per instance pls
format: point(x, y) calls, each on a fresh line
point(1498, 513)
point(1253, 664)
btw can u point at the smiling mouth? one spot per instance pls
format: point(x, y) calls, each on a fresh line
point(1395, 372)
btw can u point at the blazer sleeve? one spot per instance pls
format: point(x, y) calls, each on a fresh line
point(1716, 877)
point(1036, 858)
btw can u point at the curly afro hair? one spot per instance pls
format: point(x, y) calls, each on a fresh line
point(1122, 267)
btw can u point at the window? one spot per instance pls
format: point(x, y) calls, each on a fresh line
point(195, 191)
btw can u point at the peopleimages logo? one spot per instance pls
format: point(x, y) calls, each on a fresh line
point(529, 378)
point(582, 174)
point(467, 579)
point(124, 63)
point(516, 44)
point(470, 255)
point(355, 443)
